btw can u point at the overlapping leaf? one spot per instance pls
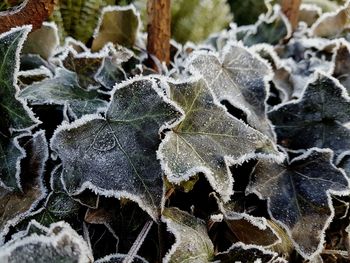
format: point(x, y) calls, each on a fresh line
point(298, 195)
point(119, 258)
point(208, 140)
point(59, 243)
point(16, 205)
point(192, 243)
point(239, 77)
point(316, 119)
point(64, 89)
point(116, 156)
point(15, 114)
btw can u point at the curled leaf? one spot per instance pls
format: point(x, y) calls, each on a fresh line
point(192, 242)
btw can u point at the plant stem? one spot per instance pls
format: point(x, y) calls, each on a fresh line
point(158, 42)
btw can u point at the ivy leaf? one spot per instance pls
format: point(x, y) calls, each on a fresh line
point(240, 252)
point(60, 243)
point(116, 156)
point(269, 29)
point(239, 77)
point(191, 237)
point(15, 114)
point(110, 73)
point(299, 195)
point(118, 25)
point(315, 120)
point(16, 205)
point(64, 89)
point(208, 139)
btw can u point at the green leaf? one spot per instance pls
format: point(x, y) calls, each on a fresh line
point(316, 119)
point(192, 243)
point(59, 243)
point(208, 139)
point(299, 195)
point(64, 89)
point(271, 29)
point(116, 156)
point(118, 25)
point(16, 205)
point(15, 115)
point(239, 77)
point(239, 252)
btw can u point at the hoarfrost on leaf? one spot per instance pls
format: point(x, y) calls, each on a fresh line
point(208, 139)
point(239, 77)
point(298, 195)
point(192, 242)
point(316, 119)
point(116, 156)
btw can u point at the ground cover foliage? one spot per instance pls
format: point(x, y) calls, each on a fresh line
point(239, 150)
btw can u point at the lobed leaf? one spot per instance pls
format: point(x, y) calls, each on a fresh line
point(116, 155)
point(299, 195)
point(316, 119)
point(208, 139)
point(239, 77)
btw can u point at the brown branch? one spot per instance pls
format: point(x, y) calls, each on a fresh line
point(33, 12)
point(158, 42)
point(291, 9)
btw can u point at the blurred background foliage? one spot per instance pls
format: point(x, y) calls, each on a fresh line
point(192, 20)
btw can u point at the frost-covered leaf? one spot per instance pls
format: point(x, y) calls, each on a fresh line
point(119, 258)
point(309, 13)
point(208, 139)
point(316, 119)
point(331, 25)
point(239, 77)
point(116, 156)
point(298, 195)
point(248, 229)
point(192, 243)
point(16, 205)
point(119, 25)
point(60, 243)
point(269, 29)
point(342, 64)
point(240, 252)
point(15, 115)
point(63, 89)
point(110, 73)
point(42, 41)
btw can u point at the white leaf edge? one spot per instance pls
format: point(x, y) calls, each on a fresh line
point(26, 29)
point(42, 188)
point(229, 160)
point(87, 118)
point(117, 9)
point(107, 259)
point(52, 239)
point(329, 198)
point(344, 95)
point(259, 222)
point(247, 247)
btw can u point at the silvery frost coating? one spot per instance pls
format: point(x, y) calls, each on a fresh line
point(298, 195)
point(120, 149)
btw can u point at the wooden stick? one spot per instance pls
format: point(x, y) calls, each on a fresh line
point(33, 12)
point(158, 42)
point(291, 9)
